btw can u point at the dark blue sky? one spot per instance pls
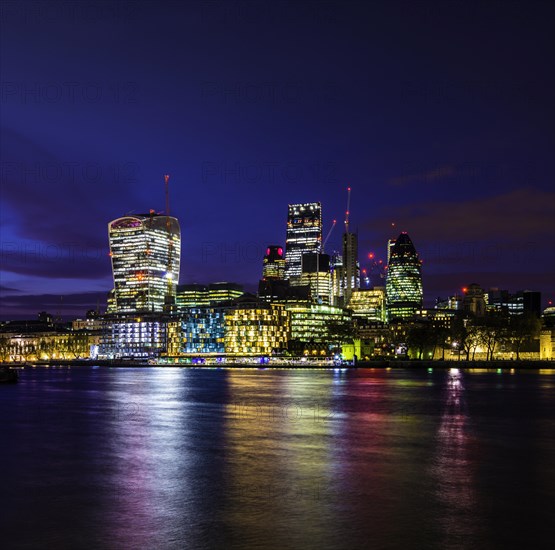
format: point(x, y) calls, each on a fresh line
point(439, 115)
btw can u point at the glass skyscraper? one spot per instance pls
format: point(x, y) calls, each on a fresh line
point(145, 251)
point(304, 234)
point(404, 280)
point(274, 263)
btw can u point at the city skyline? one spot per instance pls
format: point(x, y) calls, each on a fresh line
point(453, 148)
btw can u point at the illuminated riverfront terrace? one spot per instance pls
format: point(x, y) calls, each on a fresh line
point(145, 252)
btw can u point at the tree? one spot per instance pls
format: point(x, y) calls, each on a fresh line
point(5, 348)
point(420, 338)
point(47, 347)
point(339, 331)
point(522, 329)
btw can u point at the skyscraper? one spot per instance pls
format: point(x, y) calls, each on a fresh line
point(145, 251)
point(404, 280)
point(351, 268)
point(273, 264)
point(390, 245)
point(304, 234)
point(316, 274)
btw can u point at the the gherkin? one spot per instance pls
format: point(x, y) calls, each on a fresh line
point(404, 280)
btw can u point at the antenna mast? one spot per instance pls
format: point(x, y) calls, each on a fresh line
point(169, 274)
point(347, 211)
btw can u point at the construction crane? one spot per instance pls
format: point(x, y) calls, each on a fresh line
point(328, 236)
point(347, 211)
point(169, 274)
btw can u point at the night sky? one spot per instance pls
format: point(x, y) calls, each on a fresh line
point(439, 115)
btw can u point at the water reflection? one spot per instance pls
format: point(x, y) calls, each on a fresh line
point(278, 437)
point(453, 467)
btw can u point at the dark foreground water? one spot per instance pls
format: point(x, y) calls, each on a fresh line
point(175, 458)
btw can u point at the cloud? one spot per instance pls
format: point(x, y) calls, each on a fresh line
point(55, 260)
point(515, 216)
point(57, 199)
point(4, 288)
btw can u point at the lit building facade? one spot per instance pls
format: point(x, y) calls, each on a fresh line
point(337, 281)
point(246, 327)
point(404, 293)
point(316, 275)
point(145, 252)
point(195, 295)
point(273, 267)
point(304, 234)
point(351, 268)
point(126, 336)
point(474, 300)
point(200, 331)
point(369, 304)
point(390, 245)
point(256, 328)
point(315, 323)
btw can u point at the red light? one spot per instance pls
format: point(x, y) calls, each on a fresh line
point(364, 271)
point(371, 255)
point(465, 290)
point(380, 262)
point(280, 251)
point(267, 252)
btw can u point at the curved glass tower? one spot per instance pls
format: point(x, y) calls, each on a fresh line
point(145, 251)
point(404, 280)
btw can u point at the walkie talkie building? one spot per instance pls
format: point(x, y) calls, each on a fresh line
point(145, 251)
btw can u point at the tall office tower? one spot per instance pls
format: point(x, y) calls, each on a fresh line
point(351, 267)
point(145, 251)
point(337, 280)
point(304, 234)
point(404, 280)
point(274, 263)
point(316, 274)
point(390, 245)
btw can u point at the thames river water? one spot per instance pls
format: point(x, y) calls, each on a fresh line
point(156, 458)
